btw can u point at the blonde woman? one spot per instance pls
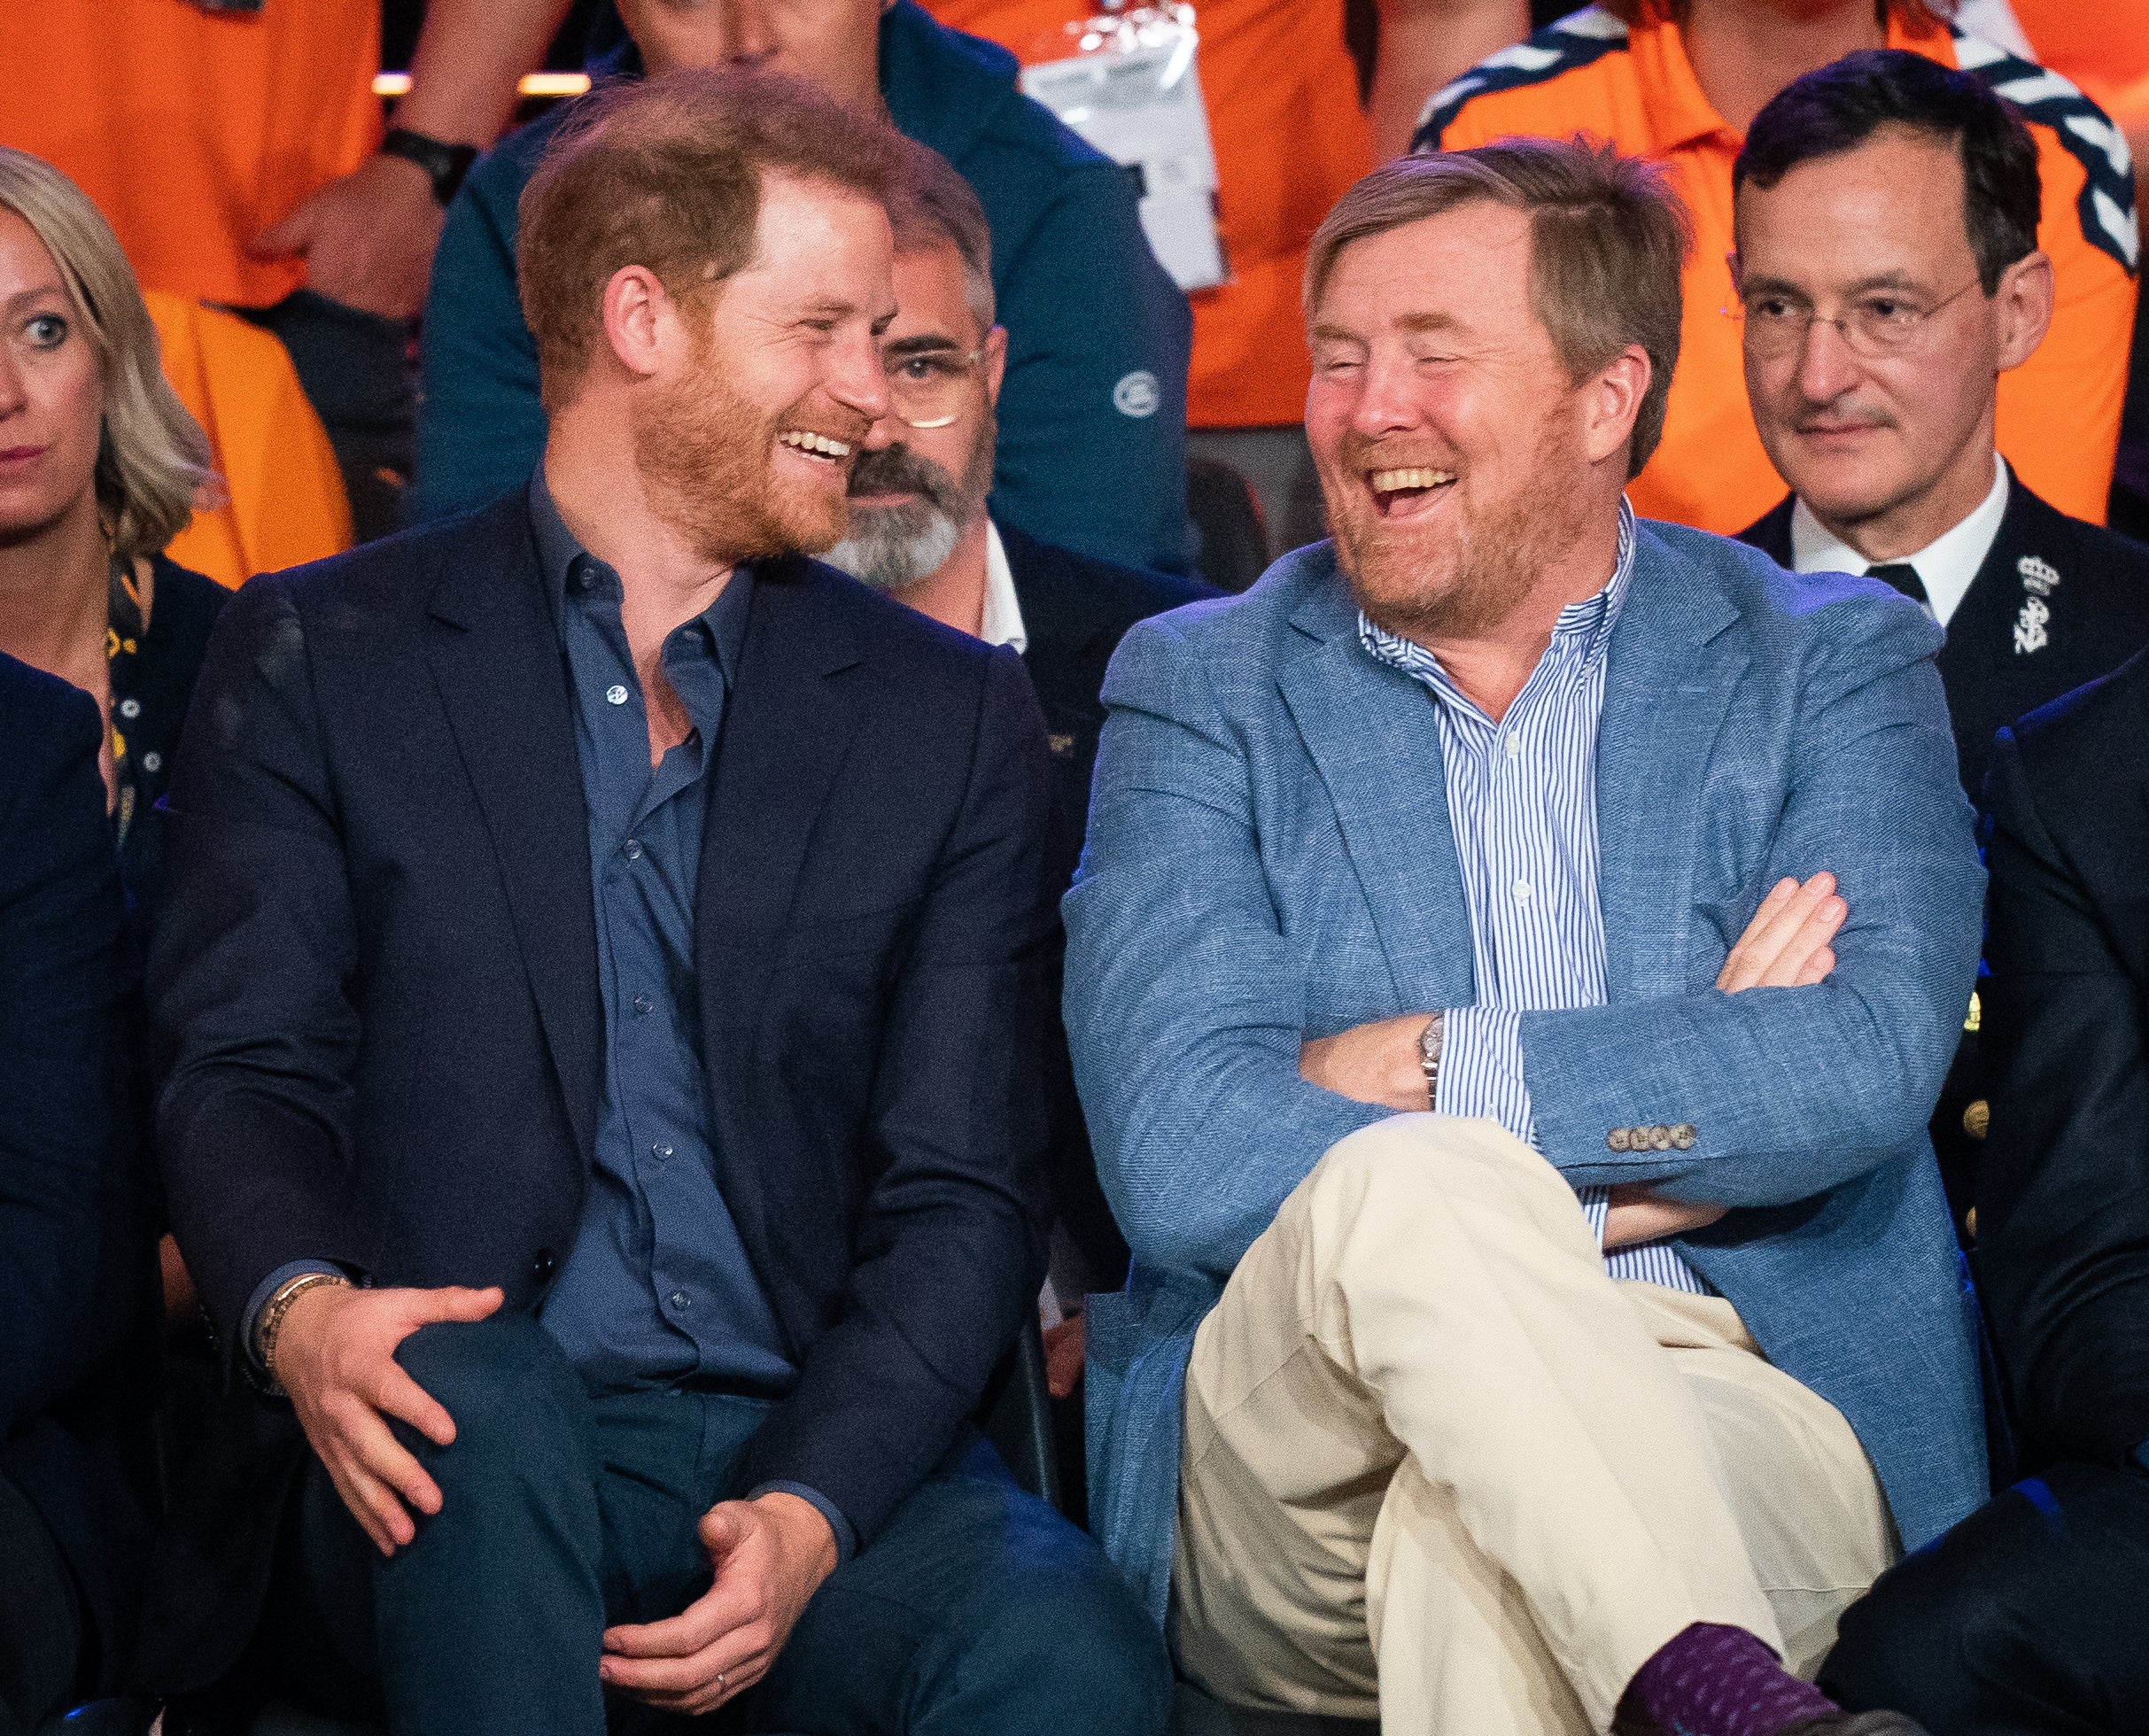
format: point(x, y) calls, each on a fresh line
point(100, 467)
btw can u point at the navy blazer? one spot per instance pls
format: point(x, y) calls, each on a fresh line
point(2095, 588)
point(375, 993)
point(78, 1269)
point(2063, 1187)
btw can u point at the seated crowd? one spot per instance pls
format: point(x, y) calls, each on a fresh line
point(554, 1063)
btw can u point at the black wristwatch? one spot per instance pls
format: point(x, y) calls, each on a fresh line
point(444, 165)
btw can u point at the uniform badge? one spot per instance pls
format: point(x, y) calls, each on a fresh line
point(2040, 579)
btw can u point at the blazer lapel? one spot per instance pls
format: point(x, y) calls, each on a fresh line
point(1668, 682)
point(1981, 631)
point(495, 657)
point(787, 726)
point(1374, 737)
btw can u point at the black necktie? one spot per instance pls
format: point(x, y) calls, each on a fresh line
point(1904, 577)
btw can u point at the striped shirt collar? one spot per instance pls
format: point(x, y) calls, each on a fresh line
point(1585, 626)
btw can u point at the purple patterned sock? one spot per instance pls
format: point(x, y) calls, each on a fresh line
point(1709, 1680)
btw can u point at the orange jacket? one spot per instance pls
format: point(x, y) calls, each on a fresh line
point(287, 502)
point(1282, 92)
point(194, 130)
point(2059, 413)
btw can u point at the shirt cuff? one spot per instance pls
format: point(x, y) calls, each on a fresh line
point(1596, 1208)
point(846, 1538)
point(269, 1287)
point(1480, 1069)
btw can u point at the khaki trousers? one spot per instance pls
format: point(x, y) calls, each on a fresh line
point(1438, 1467)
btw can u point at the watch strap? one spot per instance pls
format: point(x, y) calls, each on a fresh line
point(444, 165)
point(1429, 1047)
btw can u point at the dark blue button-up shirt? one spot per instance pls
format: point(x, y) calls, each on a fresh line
point(658, 1287)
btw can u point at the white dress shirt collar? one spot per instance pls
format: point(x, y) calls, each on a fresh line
point(1002, 623)
point(1946, 565)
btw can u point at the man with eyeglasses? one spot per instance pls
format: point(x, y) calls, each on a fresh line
point(920, 530)
point(1889, 273)
point(1094, 449)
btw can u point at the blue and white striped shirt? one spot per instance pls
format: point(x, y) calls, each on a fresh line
point(1522, 796)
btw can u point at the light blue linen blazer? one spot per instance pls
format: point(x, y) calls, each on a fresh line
point(1269, 858)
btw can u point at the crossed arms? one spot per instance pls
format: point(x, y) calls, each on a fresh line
point(1187, 995)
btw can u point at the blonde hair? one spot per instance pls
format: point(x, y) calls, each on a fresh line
point(1609, 239)
point(153, 459)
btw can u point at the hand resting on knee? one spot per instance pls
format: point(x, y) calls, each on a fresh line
point(335, 1355)
point(1789, 944)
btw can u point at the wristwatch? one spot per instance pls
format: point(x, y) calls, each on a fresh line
point(271, 1322)
point(1429, 1057)
point(444, 165)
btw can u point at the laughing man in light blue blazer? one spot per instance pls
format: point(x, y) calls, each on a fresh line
point(1272, 860)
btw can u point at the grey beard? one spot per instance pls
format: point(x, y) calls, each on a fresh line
point(892, 548)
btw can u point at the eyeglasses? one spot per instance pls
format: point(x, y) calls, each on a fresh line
point(1881, 324)
point(925, 387)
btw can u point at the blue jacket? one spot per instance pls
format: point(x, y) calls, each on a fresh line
point(1269, 857)
point(380, 1036)
point(78, 1261)
point(1092, 417)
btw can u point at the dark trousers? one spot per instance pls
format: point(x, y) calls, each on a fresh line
point(41, 1618)
point(2029, 1618)
point(978, 1610)
point(360, 373)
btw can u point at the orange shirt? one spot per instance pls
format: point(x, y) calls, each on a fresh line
point(194, 131)
point(2059, 413)
point(286, 500)
point(1282, 92)
point(2103, 48)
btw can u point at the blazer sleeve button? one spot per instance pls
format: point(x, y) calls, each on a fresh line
point(1683, 1136)
point(1660, 1139)
point(1618, 1139)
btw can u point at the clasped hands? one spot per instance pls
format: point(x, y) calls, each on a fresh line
point(335, 1357)
point(1789, 944)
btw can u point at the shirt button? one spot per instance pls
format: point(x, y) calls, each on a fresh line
point(681, 1301)
point(1514, 747)
point(1522, 890)
point(130, 708)
point(615, 694)
point(644, 1005)
point(661, 1149)
point(631, 849)
point(152, 762)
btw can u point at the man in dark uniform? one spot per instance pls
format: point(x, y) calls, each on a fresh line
point(920, 530)
point(1889, 273)
point(2027, 1616)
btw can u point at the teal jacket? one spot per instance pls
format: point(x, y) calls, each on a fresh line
point(1092, 438)
point(1270, 857)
